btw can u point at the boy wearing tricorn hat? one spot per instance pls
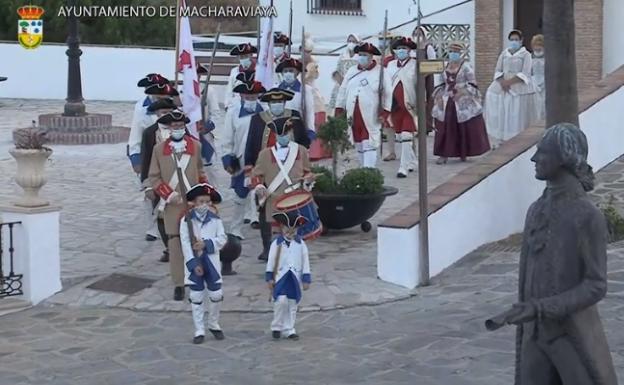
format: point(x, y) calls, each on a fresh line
point(247, 64)
point(181, 151)
point(276, 128)
point(290, 69)
point(235, 133)
point(201, 258)
point(287, 272)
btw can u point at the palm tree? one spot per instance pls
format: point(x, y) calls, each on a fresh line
point(560, 63)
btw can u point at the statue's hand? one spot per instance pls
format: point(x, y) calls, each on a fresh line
point(525, 312)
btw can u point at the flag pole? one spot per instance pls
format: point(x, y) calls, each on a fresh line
point(177, 43)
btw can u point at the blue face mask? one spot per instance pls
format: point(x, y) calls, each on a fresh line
point(363, 60)
point(276, 109)
point(514, 44)
point(250, 105)
point(289, 77)
point(277, 51)
point(245, 62)
point(283, 140)
point(454, 56)
point(401, 54)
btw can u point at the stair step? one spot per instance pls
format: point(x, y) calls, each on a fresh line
point(10, 305)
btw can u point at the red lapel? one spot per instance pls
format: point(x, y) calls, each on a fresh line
point(190, 146)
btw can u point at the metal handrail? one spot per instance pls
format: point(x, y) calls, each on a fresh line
point(409, 22)
point(10, 285)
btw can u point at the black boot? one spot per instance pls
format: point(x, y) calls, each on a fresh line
point(276, 334)
point(198, 340)
point(178, 293)
point(165, 256)
point(218, 334)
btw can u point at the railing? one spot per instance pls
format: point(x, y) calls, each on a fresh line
point(11, 284)
point(336, 7)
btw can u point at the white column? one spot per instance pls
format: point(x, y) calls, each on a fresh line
point(37, 249)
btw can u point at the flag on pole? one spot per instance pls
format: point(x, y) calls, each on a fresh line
point(191, 94)
point(264, 70)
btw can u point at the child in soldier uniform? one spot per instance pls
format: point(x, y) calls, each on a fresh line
point(287, 272)
point(201, 257)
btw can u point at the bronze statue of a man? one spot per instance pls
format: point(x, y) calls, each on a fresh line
point(563, 273)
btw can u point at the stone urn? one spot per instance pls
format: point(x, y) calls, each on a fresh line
point(30, 175)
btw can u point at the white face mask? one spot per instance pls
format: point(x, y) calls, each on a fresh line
point(278, 51)
point(202, 210)
point(245, 62)
point(250, 105)
point(289, 77)
point(177, 134)
point(276, 108)
point(363, 60)
point(538, 52)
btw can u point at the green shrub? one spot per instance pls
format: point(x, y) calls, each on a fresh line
point(324, 180)
point(615, 222)
point(362, 181)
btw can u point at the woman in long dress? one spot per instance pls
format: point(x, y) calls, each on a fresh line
point(317, 151)
point(457, 112)
point(537, 73)
point(511, 100)
point(346, 60)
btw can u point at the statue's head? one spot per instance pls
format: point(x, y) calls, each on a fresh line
point(563, 149)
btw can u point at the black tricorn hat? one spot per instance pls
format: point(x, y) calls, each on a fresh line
point(289, 219)
point(204, 189)
point(249, 88)
point(161, 104)
point(173, 116)
point(246, 76)
point(280, 38)
point(161, 89)
point(151, 79)
point(367, 48)
point(277, 95)
point(405, 42)
point(243, 49)
point(289, 63)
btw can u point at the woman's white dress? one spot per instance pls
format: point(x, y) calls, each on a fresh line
point(537, 74)
point(508, 113)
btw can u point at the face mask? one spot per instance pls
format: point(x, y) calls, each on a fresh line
point(277, 51)
point(245, 62)
point(289, 77)
point(276, 108)
point(401, 54)
point(350, 46)
point(201, 210)
point(514, 44)
point(283, 140)
point(454, 56)
point(250, 105)
point(363, 60)
point(177, 134)
point(538, 52)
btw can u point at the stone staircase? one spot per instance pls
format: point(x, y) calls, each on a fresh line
point(10, 305)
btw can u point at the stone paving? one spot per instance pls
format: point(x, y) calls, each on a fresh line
point(102, 230)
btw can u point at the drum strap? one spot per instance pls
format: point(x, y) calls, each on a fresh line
point(284, 168)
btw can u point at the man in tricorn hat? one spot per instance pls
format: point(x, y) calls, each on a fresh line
point(563, 272)
point(358, 97)
point(400, 101)
point(290, 69)
point(283, 166)
point(235, 133)
point(181, 151)
point(247, 63)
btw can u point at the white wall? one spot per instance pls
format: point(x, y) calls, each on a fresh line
point(494, 208)
point(612, 40)
point(107, 73)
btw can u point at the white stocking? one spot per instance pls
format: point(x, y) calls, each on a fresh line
point(197, 309)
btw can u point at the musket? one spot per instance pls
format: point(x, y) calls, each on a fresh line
point(187, 216)
point(208, 76)
point(380, 90)
point(303, 84)
point(502, 319)
point(290, 29)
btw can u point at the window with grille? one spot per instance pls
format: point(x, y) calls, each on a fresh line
point(336, 7)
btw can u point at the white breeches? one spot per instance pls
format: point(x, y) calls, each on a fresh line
point(149, 218)
point(408, 157)
point(214, 300)
point(367, 154)
point(284, 315)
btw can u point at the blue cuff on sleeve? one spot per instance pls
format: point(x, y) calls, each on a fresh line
point(192, 264)
point(268, 276)
point(228, 160)
point(210, 249)
point(209, 125)
point(135, 159)
point(307, 278)
point(311, 135)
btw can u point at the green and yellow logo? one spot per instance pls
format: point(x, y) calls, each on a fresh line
point(30, 26)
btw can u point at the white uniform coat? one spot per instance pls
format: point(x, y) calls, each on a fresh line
point(292, 258)
point(140, 121)
point(295, 104)
point(232, 98)
point(393, 75)
point(362, 85)
point(211, 230)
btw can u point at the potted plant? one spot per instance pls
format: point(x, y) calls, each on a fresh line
point(353, 199)
point(31, 155)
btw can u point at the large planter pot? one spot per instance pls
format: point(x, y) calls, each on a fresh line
point(342, 211)
point(30, 175)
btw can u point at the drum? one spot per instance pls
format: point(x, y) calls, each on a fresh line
point(302, 203)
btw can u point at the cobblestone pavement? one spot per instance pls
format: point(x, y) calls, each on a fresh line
point(102, 230)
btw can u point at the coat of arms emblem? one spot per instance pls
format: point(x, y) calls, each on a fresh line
point(30, 26)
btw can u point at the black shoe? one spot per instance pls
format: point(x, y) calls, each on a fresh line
point(218, 334)
point(401, 175)
point(165, 257)
point(263, 257)
point(293, 337)
point(150, 238)
point(178, 293)
point(255, 225)
point(247, 221)
point(276, 335)
point(198, 340)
